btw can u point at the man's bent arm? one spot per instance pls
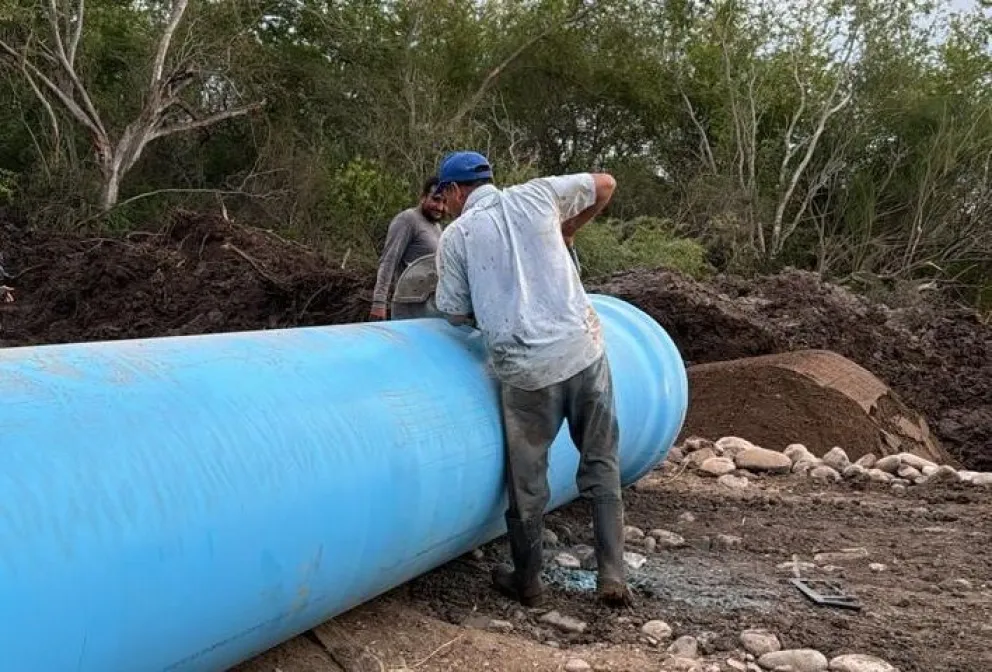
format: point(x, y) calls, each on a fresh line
point(605, 185)
point(397, 238)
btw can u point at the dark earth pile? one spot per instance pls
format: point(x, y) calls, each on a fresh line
point(198, 274)
point(937, 359)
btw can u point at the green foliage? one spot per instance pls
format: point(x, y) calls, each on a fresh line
point(607, 246)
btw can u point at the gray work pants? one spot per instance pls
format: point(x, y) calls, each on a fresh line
point(532, 419)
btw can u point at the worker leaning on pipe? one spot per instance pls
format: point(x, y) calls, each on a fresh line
point(412, 234)
point(504, 266)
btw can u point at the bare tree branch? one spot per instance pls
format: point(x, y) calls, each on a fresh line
point(206, 121)
point(158, 66)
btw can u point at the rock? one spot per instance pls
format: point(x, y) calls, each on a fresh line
point(737, 665)
point(657, 630)
point(797, 568)
point(650, 544)
point(824, 474)
point(631, 533)
point(679, 664)
point(915, 461)
point(982, 478)
point(500, 626)
point(568, 561)
point(889, 464)
point(944, 474)
point(929, 470)
point(684, 647)
point(732, 445)
point(550, 538)
point(762, 459)
point(804, 466)
point(687, 517)
point(837, 459)
point(586, 555)
point(856, 473)
point(478, 555)
point(967, 476)
point(794, 660)
point(908, 472)
point(717, 466)
point(667, 539)
point(797, 452)
point(760, 642)
point(880, 476)
point(634, 560)
point(696, 459)
point(694, 443)
point(728, 542)
point(577, 665)
point(844, 556)
point(564, 623)
point(867, 461)
point(675, 456)
point(898, 487)
point(877, 567)
point(859, 662)
point(900, 481)
point(733, 482)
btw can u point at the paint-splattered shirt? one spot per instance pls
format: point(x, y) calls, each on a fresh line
point(504, 260)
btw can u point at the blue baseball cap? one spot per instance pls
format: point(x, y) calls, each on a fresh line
point(462, 167)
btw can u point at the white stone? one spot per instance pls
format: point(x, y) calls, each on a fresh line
point(867, 461)
point(684, 647)
point(856, 473)
point(734, 482)
point(687, 517)
point(577, 665)
point(760, 642)
point(908, 472)
point(631, 533)
point(967, 476)
point(794, 660)
point(929, 470)
point(667, 539)
point(694, 443)
point(880, 476)
point(762, 459)
point(657, 630)
point(944, 474)
point(634, 560)
point(500, 626)
point(898, 487)
point(696, 459)
point(803, 466)
point(737, 665)
point(859, 662)
point(674, 456)
point(731, 445)
point(837, 459)
point(982, 478)
point(796, 567)
point(564, 623)
point(915, 461)
point(681, 665)
point(550, 538)
point(650, 544)
point(877, 567)
point(889, 464)
point(568, 561)
point(824, 474)
point(843, 556)
point(717, 466)
point(796, 452)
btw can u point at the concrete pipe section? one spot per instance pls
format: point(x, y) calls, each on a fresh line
point(186, 503)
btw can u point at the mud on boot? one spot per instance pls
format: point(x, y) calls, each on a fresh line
point(523, 582)
point(607, 521)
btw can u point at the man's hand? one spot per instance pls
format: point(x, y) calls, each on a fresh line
point(605, 185)
point(377, 313)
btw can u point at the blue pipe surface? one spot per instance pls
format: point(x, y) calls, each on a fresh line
point(186, 503)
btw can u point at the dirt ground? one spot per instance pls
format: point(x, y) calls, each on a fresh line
point(929, 610)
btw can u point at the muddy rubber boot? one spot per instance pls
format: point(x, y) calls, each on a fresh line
point(607, 520)
point(523, 582)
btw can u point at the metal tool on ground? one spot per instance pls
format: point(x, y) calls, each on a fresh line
point(826, 593)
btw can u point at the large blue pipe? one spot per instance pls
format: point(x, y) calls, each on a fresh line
point(185, 503)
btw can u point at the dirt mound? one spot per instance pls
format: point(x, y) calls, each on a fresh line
point(198, 274)
point(937, 359)
point(813, 397)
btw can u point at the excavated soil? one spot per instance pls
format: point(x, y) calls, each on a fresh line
point(198, 274)
point(938, 359)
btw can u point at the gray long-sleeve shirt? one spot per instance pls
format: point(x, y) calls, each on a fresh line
point(410, 236)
